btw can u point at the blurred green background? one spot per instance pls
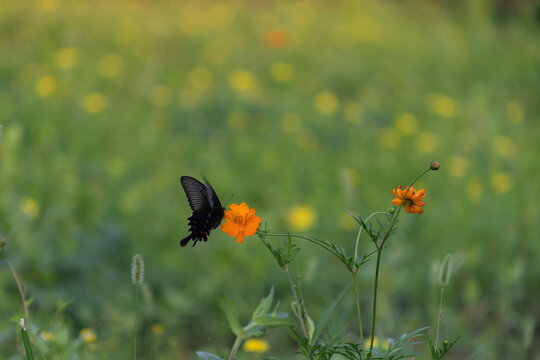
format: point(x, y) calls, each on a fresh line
point(299, 108)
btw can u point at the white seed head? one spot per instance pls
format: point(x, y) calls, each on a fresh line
point(137, 270)
point(445, 270)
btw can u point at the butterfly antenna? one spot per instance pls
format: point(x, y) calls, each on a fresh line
point(230, 197)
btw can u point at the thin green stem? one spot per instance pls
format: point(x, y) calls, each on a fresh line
point(440, 317)
point(360, 232)
point(21, 292)
point(357, 301)
point(136, 321)
point(235, 347)
point(379, 252)
point(314, 241)
point(298, 307)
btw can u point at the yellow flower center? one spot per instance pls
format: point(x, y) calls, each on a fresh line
point(237, 218)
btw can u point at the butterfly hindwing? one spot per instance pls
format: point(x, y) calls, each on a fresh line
point(217, 210)
point(207, 210)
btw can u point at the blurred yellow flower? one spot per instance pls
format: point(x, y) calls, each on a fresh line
point(389, 138)
point(302, 14)
point(504, 146)
point(377, 343)
point(346, 222)
point(242, 80)
point(67, 57)
point(406, 123)
point(29, 207)
point(457, 166)
point(326, 102)
point(45, 86)
point(301, 217)
point(219, 16)
point(110, 66)
point(47, 336)
point(442, 105)
point(474, 190)
point(94, 103)
point(48, 5)
point(514, 111)
point(352, 111)
point(88, 335)
point(501, 182)
point(426, 142)
point(365, 28)
point(237, 120)
point(157, 329)
point(291, 123)
point(159, 96)
point(200, 78)
point(256, 345)
point(281, 72)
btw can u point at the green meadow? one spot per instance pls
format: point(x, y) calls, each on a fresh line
point(302, 110)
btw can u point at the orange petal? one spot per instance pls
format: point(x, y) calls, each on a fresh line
point(230, 229)
point(418, 209)
point(240, 238)
point(251, 228)
point(419, 203)
point(397, 202)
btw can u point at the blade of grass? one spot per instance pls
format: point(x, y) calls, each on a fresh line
point(26, 340)
point(324, 318)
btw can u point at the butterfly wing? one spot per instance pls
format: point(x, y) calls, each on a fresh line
point(217, 211)
point(195, 193)
point(207, 210)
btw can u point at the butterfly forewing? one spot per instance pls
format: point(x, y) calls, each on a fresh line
point(195, 192)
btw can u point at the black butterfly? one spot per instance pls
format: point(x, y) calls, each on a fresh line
point(207, 210)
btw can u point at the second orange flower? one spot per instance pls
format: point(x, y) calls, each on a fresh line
point(241, 221)
point(410, 198)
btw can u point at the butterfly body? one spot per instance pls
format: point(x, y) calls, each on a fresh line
point(207, 210)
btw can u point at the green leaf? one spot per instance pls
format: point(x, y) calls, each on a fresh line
point(273, 321)
point(262, 309)
point(324, 318)
point(229, 308)
point(207, 356)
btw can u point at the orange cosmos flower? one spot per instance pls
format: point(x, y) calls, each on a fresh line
point(410, 198)
point(240, 221)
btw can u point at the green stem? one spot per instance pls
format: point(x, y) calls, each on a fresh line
point(135, 326)
point(21, 292)
point(440, 317)
point(357, 300)
point(379, 252)
point(235, 347)
point(298, 308)
point(314, 241)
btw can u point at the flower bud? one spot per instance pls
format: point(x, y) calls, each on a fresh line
point(435, 165)
point(392, 210)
